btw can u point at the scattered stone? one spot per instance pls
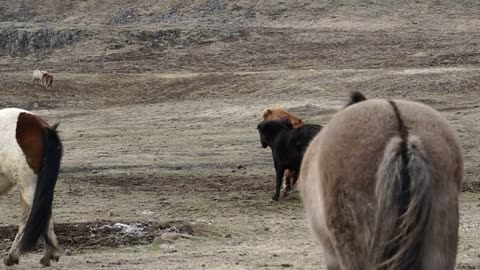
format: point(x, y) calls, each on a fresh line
point(240, 167)
point(147, 212)
point(168, 248)
point(228, 236)
point(286, 265)
point(170, 236)
point(160, 241)
point(68, 252)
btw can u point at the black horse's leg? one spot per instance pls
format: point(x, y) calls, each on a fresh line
point(280, 172)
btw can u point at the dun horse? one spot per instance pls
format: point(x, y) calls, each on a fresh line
point(30, 155)
point(38, 77)
point(291, 177)
point(380, 187)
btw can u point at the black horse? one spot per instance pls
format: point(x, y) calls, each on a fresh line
point(288, 145)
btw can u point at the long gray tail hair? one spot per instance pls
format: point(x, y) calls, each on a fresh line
point(403, 192)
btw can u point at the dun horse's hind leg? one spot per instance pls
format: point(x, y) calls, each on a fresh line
point(14, 252)
point(51, 252)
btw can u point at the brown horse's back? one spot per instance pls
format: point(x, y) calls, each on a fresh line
point(339, 179)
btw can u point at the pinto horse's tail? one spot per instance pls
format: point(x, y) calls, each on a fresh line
point(39, 218)
point(404, 198)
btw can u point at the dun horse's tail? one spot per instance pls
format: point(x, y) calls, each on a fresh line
point(39, 218)
point(403, 193)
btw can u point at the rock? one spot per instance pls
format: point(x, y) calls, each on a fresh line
point(68, 252)
point(168, 248)
point(228, 236)
point(170, 236)
point(20, 41)
point(159, 241)
point(147, 212)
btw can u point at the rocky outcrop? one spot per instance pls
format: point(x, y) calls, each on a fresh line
point(17, 42)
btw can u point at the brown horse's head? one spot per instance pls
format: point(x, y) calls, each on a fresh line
point(279, 113)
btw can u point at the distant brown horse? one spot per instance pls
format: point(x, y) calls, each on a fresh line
point(380, 187)
point(48, 78)
point(291, 177)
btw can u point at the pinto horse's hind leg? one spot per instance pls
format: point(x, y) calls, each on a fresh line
point(14, 252)
point(51, 251)
point(5, 185)
point(26, 181)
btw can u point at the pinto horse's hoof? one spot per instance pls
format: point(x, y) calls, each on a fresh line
point(10, 261)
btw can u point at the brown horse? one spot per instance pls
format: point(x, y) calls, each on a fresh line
point(279, 113)
point(291, 177)
point(48, 78)
point(380, 187)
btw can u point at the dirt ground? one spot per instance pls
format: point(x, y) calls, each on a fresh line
point(165, 137)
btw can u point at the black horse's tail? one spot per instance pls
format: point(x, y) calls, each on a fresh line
point(39, 218)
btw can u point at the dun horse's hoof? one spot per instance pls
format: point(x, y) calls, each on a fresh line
point(275, 197)
point(10, 261)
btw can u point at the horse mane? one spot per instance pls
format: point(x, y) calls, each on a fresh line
point(355, 97)
point(280, 113)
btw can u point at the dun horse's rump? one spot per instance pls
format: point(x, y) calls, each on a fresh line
point(380, 187)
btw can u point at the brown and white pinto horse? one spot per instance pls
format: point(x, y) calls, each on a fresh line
point(30, 155)
point(291, 177)
point(380, 187)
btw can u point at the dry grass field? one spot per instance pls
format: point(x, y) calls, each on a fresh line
point(159, 100)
